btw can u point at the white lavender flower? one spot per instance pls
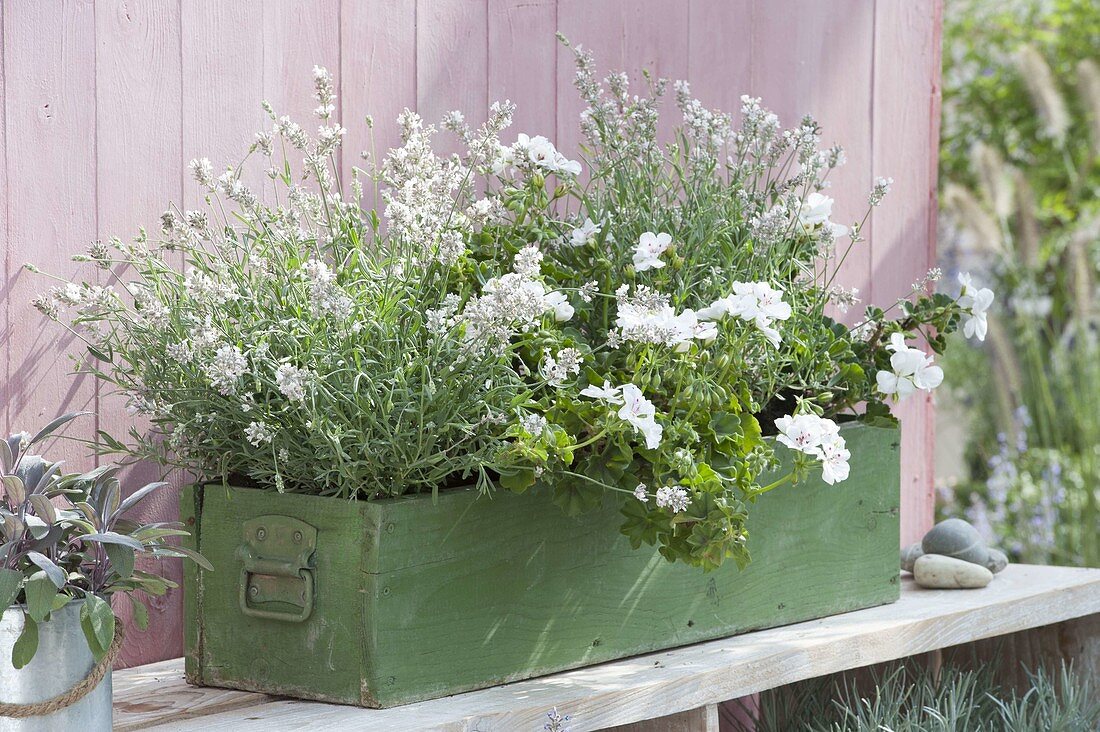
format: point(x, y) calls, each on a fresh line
point(879, 191)
point(258, 433)
point(323, 92)
point(533, 424)
point(226, 369)
point(674, 498)
point(326, 297)
point(203, 172)
point(556, 369)
point(292, 382)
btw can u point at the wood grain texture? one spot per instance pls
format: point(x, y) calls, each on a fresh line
point(522, 63)
point(152, 692)
point(419, 599)
point(659, 684)
point(906, 140)
point(823, 68)
point(703, 719)
point(222, 90)
point(452, 59)
point(377, 78)
point(50, 121)
point(137, 143)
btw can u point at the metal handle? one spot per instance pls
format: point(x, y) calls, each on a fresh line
point(277, 556)
point(251, 584)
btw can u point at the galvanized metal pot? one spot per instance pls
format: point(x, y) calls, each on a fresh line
point(62, 661)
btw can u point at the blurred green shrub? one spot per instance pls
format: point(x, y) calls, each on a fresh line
point(1020, 173)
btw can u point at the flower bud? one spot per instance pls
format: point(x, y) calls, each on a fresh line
point(538, 180)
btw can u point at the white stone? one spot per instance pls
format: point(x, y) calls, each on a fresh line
point(938, 572)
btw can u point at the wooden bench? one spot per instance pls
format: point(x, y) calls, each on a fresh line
point(1046, 612)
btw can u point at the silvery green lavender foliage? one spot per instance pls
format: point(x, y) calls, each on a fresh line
point(66, 537)
point(628, 327)
point(908, 699)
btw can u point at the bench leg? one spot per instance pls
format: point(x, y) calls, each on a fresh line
point(703, 719)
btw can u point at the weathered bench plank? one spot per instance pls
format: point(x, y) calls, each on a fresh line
point(659, 684)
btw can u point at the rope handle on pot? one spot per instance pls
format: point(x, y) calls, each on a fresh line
point(73, 695)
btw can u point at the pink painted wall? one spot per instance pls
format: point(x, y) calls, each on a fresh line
point(105, 101)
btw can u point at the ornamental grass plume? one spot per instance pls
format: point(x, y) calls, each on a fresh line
point(1088, 87)
point(984, 230)
point(1027, 220)
point(628, 325)
point(1046, 97)
point(995, 180)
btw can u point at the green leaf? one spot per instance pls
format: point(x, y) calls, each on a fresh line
point(577, 496)
point(10, 583)
point(98, 622)
point(110, 537)
point(517, 479)
point(140, 612)
point(182, 551)
point(26, 645)
point(48, 429)
point(40, 591)
point(55, 573)
point(122, 559)
point(725, 426)
point(99, 355)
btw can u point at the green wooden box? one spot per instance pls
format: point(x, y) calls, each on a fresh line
point(387, 602)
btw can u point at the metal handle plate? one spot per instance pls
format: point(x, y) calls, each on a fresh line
point(277, 574)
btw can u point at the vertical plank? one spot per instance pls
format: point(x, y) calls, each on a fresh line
point(299, 35)
point(222, 62)
point(598, 27)
point(377, 77)
point(720, 41)
point(452, 62)
point(816, 58)
point(522, 63)
point(49, 115)
point(138, 172)
point(906, 138)
point(703, 719)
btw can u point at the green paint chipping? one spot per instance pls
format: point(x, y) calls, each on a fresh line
point(415, 600)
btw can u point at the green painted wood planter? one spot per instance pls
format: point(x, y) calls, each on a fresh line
point(387, 602)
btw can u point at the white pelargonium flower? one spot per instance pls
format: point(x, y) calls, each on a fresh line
point(816, 209)
point(607, 393)
point(646, 317)
point(910, 369)
point(758, 302)
point(641, 414)
point(976, 301)
point(804, 432)
point(542, 154)
point(559, 303)
point(648, 251)
point(834, 458)
point(585, 233)
point(820, 438)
